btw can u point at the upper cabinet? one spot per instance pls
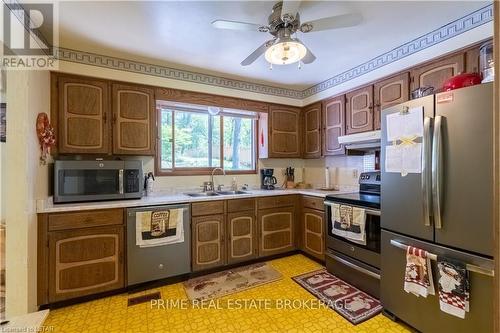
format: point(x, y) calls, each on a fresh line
point(359, 110)
point(312, 131)
point(333, 125)
point(100, 117)
point(134, 121)
point(284, 131)
point(390, 92)
point(434, 74)
point(83, 116)
point(472, 60)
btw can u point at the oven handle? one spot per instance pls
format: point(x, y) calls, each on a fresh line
point(367, 210)
point(354, 266)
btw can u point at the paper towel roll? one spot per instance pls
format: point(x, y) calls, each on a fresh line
point(327, 177)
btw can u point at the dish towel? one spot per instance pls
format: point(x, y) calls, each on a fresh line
point(453, 287)
point(349, 222)
point(418, 274)
point(156, 228)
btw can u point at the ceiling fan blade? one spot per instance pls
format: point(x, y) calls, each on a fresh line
point(236, 25)
point(309, 57)
point(332, 22)
point(289, 9)
point(257, 53)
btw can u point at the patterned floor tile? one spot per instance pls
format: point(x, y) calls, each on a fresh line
point(227, 315)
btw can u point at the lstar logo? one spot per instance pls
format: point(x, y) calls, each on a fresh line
point(29, 35)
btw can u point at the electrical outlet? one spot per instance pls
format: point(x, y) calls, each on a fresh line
point(355, 173)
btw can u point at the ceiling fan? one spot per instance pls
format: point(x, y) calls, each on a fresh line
point(283, 23)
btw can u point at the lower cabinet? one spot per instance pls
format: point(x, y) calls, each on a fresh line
point(276, 230)
point(313, 237)
point(208, 242)
point(84, 261)
point(241, 236)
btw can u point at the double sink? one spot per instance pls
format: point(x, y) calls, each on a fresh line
point(212, 194)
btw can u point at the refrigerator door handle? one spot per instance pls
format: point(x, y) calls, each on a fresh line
point(426, 172)
point(437, 181)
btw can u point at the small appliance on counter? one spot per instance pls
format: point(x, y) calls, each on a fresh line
point(267, 180)
point(149, 179)
point(79, 181)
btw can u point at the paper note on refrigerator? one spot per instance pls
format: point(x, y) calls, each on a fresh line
point(405, 125)
point(404, 159)
point(403, 153)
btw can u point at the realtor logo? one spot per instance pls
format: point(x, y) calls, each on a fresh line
point(29, 35)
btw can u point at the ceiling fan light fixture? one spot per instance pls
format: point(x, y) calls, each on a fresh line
point(285, 51)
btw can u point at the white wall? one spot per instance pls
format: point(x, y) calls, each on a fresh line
point(27, 95)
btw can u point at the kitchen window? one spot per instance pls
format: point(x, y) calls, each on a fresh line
point(195, 139)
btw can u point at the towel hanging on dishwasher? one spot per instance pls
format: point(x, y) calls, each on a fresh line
point(156, 228)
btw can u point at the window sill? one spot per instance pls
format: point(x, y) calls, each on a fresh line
point(204, 172)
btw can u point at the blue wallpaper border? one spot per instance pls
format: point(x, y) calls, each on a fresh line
point(450, 30)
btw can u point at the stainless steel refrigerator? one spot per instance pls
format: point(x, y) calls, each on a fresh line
point(446, 210)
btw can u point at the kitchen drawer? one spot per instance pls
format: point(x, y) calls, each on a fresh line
point(85, 219)
point(313, 202)
point(207, 208)
point(277, 201)
point(360, 275)
point(238, 205)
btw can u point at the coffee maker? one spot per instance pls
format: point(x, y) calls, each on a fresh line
point(267, 180)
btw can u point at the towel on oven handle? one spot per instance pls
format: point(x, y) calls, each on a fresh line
point(349, 222)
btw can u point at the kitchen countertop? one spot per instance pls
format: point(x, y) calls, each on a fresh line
point(47, 206)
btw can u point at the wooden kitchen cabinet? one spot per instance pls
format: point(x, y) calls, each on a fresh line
point(284, 131)
point(134, 121)
point(390, 92)
point(84, 262)
point(241, 236)
point(208, 243)
point(313, 236)
point(79, 253)
point(333, 125)
point(312, 131)
point(276, 230)
point(359, 110)
point(83, 112)
point(472, 60)
point(435, 73)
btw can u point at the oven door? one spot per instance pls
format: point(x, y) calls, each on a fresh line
point(76, 181)
point(369, 253)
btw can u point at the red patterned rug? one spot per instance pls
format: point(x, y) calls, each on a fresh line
point(348, 301)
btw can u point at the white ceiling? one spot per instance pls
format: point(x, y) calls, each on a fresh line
point(179, 34)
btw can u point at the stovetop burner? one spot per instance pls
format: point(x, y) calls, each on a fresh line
point(368, 195)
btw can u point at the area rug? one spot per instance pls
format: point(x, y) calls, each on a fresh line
point(348, 301)
point(231, 281)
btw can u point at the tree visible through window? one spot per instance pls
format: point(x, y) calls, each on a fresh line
point(193, 139)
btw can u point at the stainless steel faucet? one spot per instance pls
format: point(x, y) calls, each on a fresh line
point(212, 178)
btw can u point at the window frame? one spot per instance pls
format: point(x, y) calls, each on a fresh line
point(200, 171)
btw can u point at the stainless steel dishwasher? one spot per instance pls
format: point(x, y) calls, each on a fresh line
point(161, 261)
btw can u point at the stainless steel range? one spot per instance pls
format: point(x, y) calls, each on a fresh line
point(357, 262)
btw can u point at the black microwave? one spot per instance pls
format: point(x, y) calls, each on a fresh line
point(78, 181)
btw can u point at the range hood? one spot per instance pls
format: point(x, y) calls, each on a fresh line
point(361, 141)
